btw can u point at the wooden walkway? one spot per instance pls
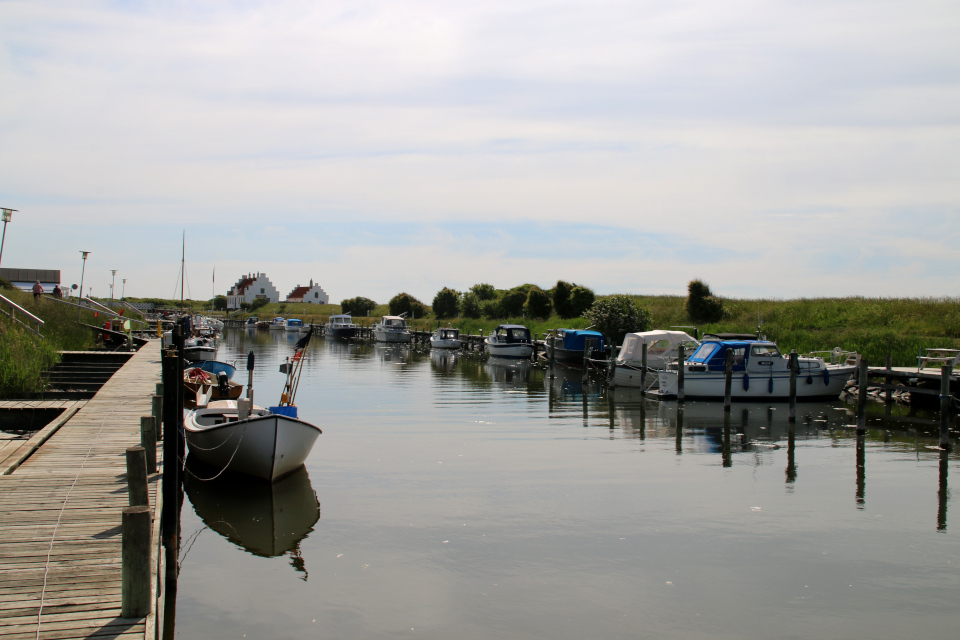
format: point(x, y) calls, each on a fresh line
point(41, 404)
point(60, 517)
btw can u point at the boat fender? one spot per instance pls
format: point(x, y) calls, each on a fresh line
point(746, 382)
point(770, 385)
point(809, 379)
point(826, 377)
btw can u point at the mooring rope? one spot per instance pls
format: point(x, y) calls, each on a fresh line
point(46, 567)
point(183, 462)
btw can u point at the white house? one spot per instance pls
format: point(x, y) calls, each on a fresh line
point(249, 288)
point(313, 294)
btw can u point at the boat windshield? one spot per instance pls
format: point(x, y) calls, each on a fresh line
point(768, 350)
point(703, 353)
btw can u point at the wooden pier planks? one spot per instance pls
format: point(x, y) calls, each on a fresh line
point(71, 490)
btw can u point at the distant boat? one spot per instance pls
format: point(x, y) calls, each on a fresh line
point(278, 324)
point(200, 348)
point(251, 322)
point(568, 345)
point(446, 338)
point(760, 372)
point(293, 324)
point(392, 329)
point(510, 341)
point(215, 367)
point(340, 326)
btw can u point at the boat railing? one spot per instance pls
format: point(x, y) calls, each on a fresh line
point(835, 356)
point(13, 308)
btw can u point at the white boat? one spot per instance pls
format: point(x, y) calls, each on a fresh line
point(446, 338)
point(293, 325)
point(259, 443)
point(200, 348)
point(510, 341)
point(760, 372)
point(392, 329)
point(662, 348)
point(340, 326)
point(278, 324)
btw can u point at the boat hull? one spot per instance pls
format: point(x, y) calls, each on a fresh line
point(445, 344)
point(631, 377)
point(267, 447)
point(759, 386)
point(509, 350)
point(199, 354)
point(340, 333)
point(392, 336)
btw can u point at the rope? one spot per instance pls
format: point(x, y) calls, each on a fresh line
point(183, 462)
point(46, 567)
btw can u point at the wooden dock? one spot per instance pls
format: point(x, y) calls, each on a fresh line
point(60, 517)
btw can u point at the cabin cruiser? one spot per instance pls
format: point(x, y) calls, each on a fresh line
point(392, 329)
point(340, 326)
point(662, 348)
point(446, 338)
point(568, 346)
point(278, 324)
point(293, 325)
point(510, 341)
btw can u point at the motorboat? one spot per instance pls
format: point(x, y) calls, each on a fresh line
point(215, 367)
point(663, 347)
point(340, 326)
point(268, 443)
point(392, 329)
point(446, 338)
point(251, 322)
point(293, 325)
point(202, 386)
point(760, 372)
point(278, 324)
point(200, 348)
point(567, 346)
point(510, 341)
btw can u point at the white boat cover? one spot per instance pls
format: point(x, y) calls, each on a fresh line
point(658, 343)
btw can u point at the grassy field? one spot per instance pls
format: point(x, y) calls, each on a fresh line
point(872, 326)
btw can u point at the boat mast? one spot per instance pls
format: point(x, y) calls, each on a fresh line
point(183, 258)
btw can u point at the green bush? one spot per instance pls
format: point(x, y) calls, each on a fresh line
point(484, 291)
point(538, 304)
point(702, 306)
point(511, 303)
point(406, 303)
point(490, 309)
point(615, 316)
point(220, 303)
point(358, 306)
point(446, 303)
point(581, 299)
point(561, 298)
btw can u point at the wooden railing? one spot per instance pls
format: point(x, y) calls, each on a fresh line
point(13, 308)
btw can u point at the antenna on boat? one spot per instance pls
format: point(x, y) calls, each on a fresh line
point(293, 367)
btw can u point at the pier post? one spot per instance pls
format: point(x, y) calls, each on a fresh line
point(553, 352)
point(888, 394)
point(170, 436)
point(794, 366)
point(643, 369)
point(535, 345)
point(148, 440)
point(586, 356)
point(156, 404)
point(135, 562)
point(612, 363)
point(864, 382)
point(481, 341)
point(725, 457)
point(727, 379)
point(945, 372)
point(681, 358)
point(137, 491)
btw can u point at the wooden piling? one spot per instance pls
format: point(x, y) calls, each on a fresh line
point(681, 358)
point(864, 382)
point(137, 489)
point(553, 351)
point(156, 406)
point(945, 372)
point(135, 562)
point(794, 366)
point(148, 440)
point(612, 363)
point(643, 369)
point(727, 379)
point(888, 394)
point(170, 435)
point(586, 357)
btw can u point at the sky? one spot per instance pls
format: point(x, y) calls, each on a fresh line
point(772, 148)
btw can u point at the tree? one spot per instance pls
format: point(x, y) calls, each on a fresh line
point(446, 303)
point(581, 299)
point(490, 309)
point(358, 306)
point(406, 303)
point(220, 303)
point(470, 305)
point(511, 303)
point(538, 304)
point(616, 316)
point(484, 291)
point(561, 298)
point(702, 305)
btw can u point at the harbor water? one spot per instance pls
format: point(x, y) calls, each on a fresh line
point(456, 497)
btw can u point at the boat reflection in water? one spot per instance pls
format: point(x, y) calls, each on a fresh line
point(265, 519)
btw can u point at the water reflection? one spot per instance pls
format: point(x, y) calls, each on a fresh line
point(265, 519)
point(942, 492)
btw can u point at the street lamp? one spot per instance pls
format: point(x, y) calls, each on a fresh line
point(7, 214)
point(82, 271)
point(123, 289)
point(113, 282)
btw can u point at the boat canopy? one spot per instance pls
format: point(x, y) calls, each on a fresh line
point(575, 339)
point(448, 333)
point(513, 333)
point(713, 353)
point(344, 318)
point(394, 321)
point(294, 322)
point(658, 343)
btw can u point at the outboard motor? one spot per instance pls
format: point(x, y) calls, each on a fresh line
point(223, 386)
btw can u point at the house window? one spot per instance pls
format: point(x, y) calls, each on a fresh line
point(261, 290)
point(316, 294)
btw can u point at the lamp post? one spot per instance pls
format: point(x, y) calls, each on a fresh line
point(113, 282)
point(123, 290)
point(7, 215)
point(82, 271)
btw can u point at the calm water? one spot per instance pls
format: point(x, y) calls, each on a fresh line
point(450, 497)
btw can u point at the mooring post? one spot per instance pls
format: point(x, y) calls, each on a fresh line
point(586, 356)
point(156, 405)
point(727, 379)
point(888, 395)
point(135, 562)
point(945, 372)
point(137, 492)
point(481, 341)
point(794, 367)
point(148, 440)
point(612, 363)
point(170, 465)
point(553, 352)
point(681, 358)
point(533, 358)
point(643, 369)
point(862, 396)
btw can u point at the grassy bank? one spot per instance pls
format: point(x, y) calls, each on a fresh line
point(24, 356)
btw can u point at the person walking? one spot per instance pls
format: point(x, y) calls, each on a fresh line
point(57, 291)
point(37, 290)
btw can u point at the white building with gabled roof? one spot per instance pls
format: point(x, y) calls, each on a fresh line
point(251, 287)
point(314, 294)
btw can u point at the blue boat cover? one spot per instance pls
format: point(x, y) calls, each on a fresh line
point(574, 339)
